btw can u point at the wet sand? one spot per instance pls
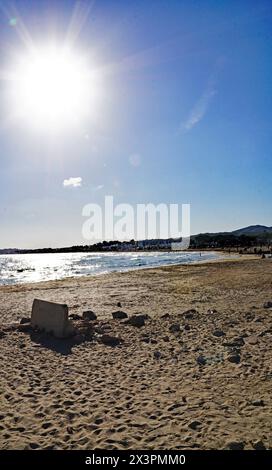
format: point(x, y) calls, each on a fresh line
point(195, 380)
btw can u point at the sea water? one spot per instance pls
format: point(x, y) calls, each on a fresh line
point(21, 268)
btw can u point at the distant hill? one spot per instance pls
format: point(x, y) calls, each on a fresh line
point(255, 230)
point(251, 236)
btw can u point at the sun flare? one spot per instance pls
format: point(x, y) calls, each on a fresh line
point(52, 88)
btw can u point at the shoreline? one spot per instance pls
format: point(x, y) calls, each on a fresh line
point(225, 256)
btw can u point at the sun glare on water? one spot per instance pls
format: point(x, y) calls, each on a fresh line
point(52, 88)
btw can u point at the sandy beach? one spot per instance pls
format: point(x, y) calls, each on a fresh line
point(197, 375)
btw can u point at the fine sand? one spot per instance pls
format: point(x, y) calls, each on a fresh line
point(161, 388)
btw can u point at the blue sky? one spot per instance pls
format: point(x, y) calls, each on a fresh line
point(184, 116)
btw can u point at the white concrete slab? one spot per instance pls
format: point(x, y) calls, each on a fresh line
point(51, 318)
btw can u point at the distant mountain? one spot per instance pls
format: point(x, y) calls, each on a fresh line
point(253, 230)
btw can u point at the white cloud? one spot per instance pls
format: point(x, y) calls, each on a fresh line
point(74, 182)
point(200, 108)
point(98, 187)
point(135, 159)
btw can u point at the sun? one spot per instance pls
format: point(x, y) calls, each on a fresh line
point(53, 88)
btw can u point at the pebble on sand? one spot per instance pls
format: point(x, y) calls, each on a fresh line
point(119, 315)
point(25, 320)
point(194, 425)
point(174, 328)
point(189, 314)
point(109, 340)
point(201, 360)
point(2, 334)
point(257, 403)
point(234, 358)
point(136, 320)
point(258, 445)
point(236, 445)
point(24, 327)
point(211, 311)
point(89, 315)
point(75, 316)
point(157, 354)
point(218, 333)
point(165, 316)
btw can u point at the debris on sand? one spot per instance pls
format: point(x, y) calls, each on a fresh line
point(109, 340)
point(174, 328)
point(236, 445)
point(201, 360)
point(165, 316)
point(257, 403)
point(189, 314)
point(136, 320)
point(75, 316)
point(119, 315)
point(2, 334)
point(218, 333)
point(194, 425)
point(89, 315)
point(234, 358)
point(211, 311)
point(258, 445)
point(157, 355)
point(24, 327)
point(25, 320)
